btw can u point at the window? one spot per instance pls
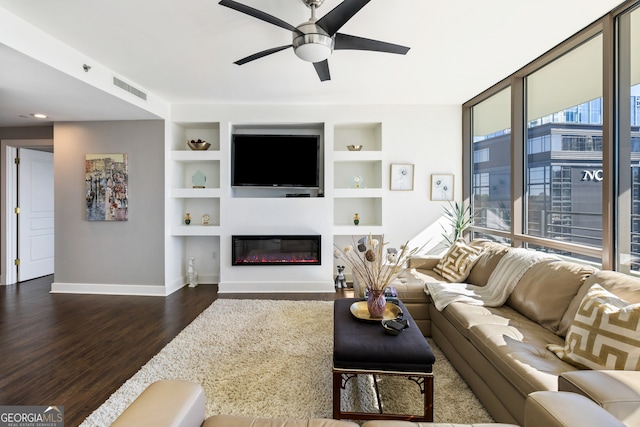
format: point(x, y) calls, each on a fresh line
point(491, 186)
point(560, 97)
point(574, 140)
point(628, 141)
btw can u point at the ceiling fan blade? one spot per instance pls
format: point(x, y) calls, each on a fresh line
point(345, 41)
point(322, 68)
point(258, 14)
point(339, 15)
point(261, 54)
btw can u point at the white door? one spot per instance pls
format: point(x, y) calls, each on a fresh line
point(35, 221)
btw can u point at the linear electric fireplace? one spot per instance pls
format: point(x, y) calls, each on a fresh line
point(276, 250)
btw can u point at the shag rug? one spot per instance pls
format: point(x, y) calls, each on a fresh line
point(273, 359)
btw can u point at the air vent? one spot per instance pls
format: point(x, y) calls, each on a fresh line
point(126, 86)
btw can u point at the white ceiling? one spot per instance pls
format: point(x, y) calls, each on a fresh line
point(183, 52)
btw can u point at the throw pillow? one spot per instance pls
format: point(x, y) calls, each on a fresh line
point(605, 333)
point(456, 264)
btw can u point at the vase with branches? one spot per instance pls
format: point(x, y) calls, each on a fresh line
point(374, 266)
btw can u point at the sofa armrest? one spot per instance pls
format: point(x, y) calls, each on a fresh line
point(565, 409)
point(616, 391)
point(166, 403)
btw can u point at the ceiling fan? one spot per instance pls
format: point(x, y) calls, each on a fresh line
point(315, 39)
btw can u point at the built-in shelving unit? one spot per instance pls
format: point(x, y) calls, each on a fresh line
point(197, 201)
point(199, 240)
point(357, 178)
point(356, 185)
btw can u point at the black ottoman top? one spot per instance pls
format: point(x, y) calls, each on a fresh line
point(364, 345)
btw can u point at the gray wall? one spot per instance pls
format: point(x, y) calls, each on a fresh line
point(110, 252)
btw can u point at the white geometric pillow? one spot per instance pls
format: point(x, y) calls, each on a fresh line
point(456, 264)
point(605, 333)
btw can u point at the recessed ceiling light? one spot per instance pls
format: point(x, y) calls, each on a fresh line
point(39, 116)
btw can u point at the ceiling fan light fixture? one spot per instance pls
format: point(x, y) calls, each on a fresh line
point(313, 52)
point(314, 44)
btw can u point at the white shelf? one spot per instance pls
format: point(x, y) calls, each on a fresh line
point(195, 193)
point(365, 164)
point(195, 230)
point(352, 156)
point(194, 156)
point(369, 135)
point(342, 193)
point(357, 230)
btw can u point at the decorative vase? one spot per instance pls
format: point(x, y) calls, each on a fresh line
point(187, 219)
point(376, 303)
point(192, 273)
point(356, 219)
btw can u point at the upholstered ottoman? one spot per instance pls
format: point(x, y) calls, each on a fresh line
point(363, 347)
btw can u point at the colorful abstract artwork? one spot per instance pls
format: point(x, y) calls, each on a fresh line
point(106, 187)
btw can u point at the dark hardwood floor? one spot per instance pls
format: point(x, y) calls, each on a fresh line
point(76, 350)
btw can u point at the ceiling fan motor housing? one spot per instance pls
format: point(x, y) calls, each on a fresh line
point(313, 3)
point(314, 44)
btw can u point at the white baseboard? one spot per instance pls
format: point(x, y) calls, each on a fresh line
point(109, 289)
point(230, 287)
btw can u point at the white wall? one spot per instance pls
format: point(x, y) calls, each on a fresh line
point(25, 137)
point(427, 136)
point(124, 257)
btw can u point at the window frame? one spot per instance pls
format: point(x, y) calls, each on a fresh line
point(616, 209)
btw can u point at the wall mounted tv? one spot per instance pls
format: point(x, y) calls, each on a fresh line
point(283, 161)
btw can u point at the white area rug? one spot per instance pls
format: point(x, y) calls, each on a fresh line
point(273, 358)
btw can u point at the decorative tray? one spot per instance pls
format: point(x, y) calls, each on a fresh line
point(360, 311)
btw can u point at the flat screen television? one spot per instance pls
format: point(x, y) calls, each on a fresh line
point(285, 161)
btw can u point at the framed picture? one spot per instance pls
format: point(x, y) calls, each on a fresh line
point(107, 187)
point(441, 187)
point(401, 177)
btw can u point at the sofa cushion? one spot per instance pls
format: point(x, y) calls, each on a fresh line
point(464, 316)
point(605, 333)
point(618, 392)
point(545, 291)
point(512, 343)
point(518, 351)
point(491, 255)
point(456, 264)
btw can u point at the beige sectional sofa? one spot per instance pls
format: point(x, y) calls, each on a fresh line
point(175, 403)
point(503, 352)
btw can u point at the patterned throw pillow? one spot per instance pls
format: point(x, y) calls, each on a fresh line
point(456, 264)
point(605, 333)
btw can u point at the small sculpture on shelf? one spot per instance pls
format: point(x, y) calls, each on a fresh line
point(192, 274)
point(356, 219)
point(198, 179)
point(198, 145)
point(206, 218)
point(341, 281)
point(187, 218)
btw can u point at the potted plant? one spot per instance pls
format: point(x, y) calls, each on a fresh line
point(459, 217)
